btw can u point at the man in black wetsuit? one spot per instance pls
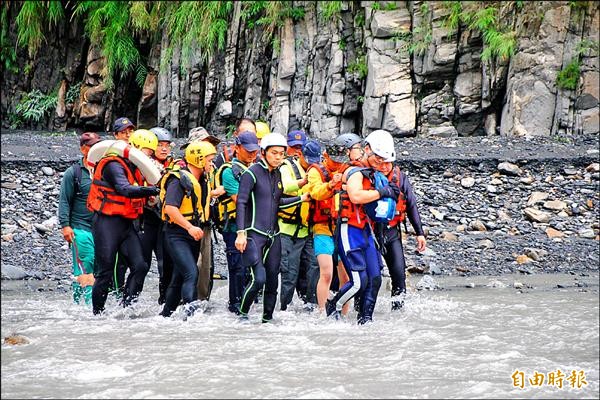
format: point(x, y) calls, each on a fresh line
point(258, 202)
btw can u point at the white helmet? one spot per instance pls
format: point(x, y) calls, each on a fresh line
point(382, 144)
point(273, 139)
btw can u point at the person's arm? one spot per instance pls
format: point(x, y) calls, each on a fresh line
point(412, 212)
point(288, 181)
point(67, 193)
point(173, 198)
point(247, 183)
point(356, 192)
point(230, 184)
point(115, 175)
point(318, 189)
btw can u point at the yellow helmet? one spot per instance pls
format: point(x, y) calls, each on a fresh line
point(143, 139)
point(195, 152)
point(262, 129)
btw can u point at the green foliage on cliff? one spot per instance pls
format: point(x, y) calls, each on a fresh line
point(359, 67)
point(330, 10)
point(568, 77)
point(500, 42)
point(33, 108)
point(32, 18)
point(8, 54)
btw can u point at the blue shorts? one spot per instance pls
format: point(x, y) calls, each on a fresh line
point(323, 244)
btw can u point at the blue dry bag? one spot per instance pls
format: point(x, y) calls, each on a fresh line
point(382, 210)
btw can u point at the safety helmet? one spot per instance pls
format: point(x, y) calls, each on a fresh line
point(382, 144)
point(262, 129)
point(195, 153)
point(162, 134)
point(143, 139)
point(337, 150)
point(273, 139)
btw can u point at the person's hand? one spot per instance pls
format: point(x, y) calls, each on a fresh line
point(302, 182)
point(305, 197)
point(421, 243)
point(153, 190)
point(396, 189)
point(240, 241)
point(386, 191)
point(218, 191)
point(68, 234)
point(196, 232)
point(336, 178)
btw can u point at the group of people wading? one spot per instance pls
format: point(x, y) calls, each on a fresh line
point(294, 217)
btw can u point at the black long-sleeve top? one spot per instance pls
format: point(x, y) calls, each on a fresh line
point(412, 211)
point(259, 199)
point(116, 176)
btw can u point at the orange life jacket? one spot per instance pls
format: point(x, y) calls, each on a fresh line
point(320, 211)
point(353, 214)
point(105, 199)
point(395, 177)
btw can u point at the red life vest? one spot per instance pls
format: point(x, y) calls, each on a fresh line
point(353, 214)
point(320, 211)
point(104, 198)
point(395, 177)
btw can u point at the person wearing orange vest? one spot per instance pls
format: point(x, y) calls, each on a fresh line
point(356, 244)
point(117, 197)
point(323, 179)
point(406, 206)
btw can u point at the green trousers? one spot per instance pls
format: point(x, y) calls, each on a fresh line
point(84, 250)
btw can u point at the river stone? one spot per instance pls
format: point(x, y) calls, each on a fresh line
point(496, 284)
point(427, 283)
point(554, 233)
point(536, 215)
point(448, 237)
point(528, 180)
point(47, 171)
point(536, 197)
point(12, 272)
point(437, 214)
point(477, 225)
point(42, 228)
point(467, 182)
point(593, 167)
point(587, 233)
point(507, 168)
point(556, 205)
point(486, 244)
point(518, 285)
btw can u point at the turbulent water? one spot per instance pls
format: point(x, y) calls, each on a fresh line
point(450, 343)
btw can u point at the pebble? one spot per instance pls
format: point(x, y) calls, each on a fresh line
point(47, 171)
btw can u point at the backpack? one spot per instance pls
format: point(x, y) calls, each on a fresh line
point(222, 208)
point(382, 210)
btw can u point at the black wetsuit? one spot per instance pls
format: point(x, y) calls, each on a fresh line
point(258, 202)
point(114, 233)
point(394, 254)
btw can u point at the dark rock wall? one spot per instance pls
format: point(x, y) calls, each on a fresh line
point(353, 73)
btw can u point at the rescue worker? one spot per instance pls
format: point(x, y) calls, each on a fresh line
point(229, 176)
point(323, 179)
point(75, 219)
point(185, 209)
point(299, 269)
point(152, 234)
point(205, 259)
point(406, 206)
point(355, 238)
point(122, 130)
point(117, 197)
point(258, 202)
point(227, 151)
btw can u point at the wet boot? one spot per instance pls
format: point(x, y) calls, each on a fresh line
point(331, 309)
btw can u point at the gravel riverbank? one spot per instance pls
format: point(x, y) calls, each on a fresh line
point(491, 205)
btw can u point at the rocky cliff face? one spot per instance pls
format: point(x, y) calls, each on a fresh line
point(391, 65)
